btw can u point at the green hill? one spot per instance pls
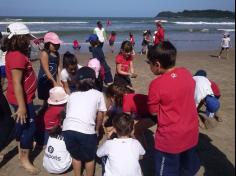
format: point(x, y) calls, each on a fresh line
point(198, 14)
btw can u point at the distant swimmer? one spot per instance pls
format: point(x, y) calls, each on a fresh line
point(108, 22)
point(76, 45)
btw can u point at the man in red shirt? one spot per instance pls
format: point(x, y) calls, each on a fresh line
point(171, 99)
point(160, 35)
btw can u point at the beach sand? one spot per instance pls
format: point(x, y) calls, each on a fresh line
point(216, 145)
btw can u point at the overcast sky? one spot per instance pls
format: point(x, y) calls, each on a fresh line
point(106, 8)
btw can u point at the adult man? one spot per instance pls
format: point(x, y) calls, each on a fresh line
point(100, 32)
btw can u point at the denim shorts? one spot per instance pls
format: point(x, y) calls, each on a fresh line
point(81, 146)
point(24, 133)
point(185, 164)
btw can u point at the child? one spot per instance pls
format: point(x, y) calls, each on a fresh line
point(204, 95)
point(22, 84)
point(225, 44)
point(123, 152)
point(76, 45)
point(170, 99)
point(98, 53)
point(49, 60)
point(146, 41)
point(68, 73)
point(112, 39)
point(84, 117)
point(160, 35)
point(124, 65)
point(131, 39)
point(96, 66)
point(56, 158)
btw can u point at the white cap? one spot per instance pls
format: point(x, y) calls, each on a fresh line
point(18, 28)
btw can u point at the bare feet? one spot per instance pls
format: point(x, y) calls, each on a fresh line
point(29, 167)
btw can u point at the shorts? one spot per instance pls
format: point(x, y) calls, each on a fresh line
point(225, 48)
point(81, 146)
point(24, 133)
point(185, 163)
point(111, 42)
point(2, 71)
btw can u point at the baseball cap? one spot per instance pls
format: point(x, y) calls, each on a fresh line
point(92, 38)
point(57, 96)
point(52, 38)
point(84, 73)
point(201, 73)
point(18, 28)
point(95, 65)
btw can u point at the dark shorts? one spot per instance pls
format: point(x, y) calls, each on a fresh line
point(111, 42)
point(185, 164)
point(81, 146)
point(225, 48)
point(24, 133)
point(43, 88)
point(2, 71)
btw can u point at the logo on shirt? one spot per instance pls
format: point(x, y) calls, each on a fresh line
point(50, 149)
point(173, 75)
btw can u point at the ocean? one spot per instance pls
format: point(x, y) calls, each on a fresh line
point(187, 34)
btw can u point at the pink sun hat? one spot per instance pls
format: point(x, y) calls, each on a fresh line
point(95, 65)
point(52, 38)
point(57, 96)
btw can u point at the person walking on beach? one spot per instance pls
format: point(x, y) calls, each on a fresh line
point(97, 52)
point(225, 44)
point(49, 66)
point(84, 116)
point(101, 33)
point(160, 34)
point(22, 84)
point(171, 100)
point(112, 39)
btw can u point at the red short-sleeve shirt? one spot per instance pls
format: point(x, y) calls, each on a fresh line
point(16, 60)
point(215, 88)
point(135, 103)
point(125, 63)
point(171, 97)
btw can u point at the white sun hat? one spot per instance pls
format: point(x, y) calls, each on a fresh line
point(57, 96)
point(18, 28)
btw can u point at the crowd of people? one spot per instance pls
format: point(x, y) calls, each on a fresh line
point(81, 101)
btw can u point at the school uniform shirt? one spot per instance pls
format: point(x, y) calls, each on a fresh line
point(159, 36)
point(215, 88)
point(66, 77)
point(135, 103)
point(225, 43)
point(81, 111)
point(56, 158)
point(202, 89)
point(123, 157)
point(100, 33)
point(17, 60)
point(125, 63)
point(171, 97)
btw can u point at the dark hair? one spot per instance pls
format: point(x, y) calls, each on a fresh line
point(85, 84)
point(123, 123)
point(126, 46)
point(18, 43)
point(164, 53)
point(201, 73)
point(0, 35)
point(113, 33)
point(117, 91)
point(69, 59)
point(47, 48)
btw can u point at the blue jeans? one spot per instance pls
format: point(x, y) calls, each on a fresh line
point(24, 133)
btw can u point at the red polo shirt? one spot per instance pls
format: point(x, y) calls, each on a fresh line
point(171, 97)
point(125, 63)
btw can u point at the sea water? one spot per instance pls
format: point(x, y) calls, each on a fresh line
point(187, 34)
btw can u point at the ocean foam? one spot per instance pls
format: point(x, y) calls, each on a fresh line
point(227, 30)
point(202, 23)
point(49, 22)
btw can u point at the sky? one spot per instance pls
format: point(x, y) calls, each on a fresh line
point(106, 8)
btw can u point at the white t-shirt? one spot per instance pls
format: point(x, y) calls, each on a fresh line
point(100, 33)
point(2, 58)
point(123, 157)
point(65, 75)
point(56, 158)
point(81, 111)
point(225, 43)
point(202, 88)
